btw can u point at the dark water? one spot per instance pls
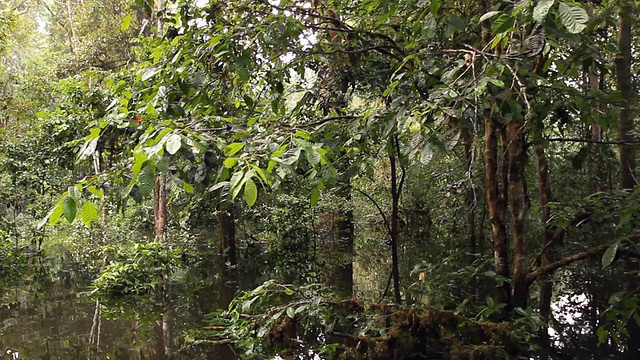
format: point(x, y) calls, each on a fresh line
point(55, 318)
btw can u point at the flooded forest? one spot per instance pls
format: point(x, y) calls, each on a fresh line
point(319, 179)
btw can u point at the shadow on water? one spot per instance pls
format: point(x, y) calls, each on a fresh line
point(57, 319)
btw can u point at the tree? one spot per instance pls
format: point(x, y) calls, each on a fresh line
point(240, 100)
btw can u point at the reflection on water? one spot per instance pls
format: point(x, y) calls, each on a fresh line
point(58, 320)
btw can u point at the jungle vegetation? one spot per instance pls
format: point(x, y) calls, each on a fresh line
point(375, 179)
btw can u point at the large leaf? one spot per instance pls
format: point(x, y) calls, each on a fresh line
point(233, 148)
point(173, 143)
point(236, 182)
point(435, 7)
point(74, 192)
point(145, 180)
point(250, 192)
point(574, 18)
point(541, 10)
point(53, 216)
point(315, 196)
point(89, 213)
point(503, 23)
point(610, 254)
point(313, 156)
point(69, 208)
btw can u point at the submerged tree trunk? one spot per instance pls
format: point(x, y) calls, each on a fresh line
point(339, 274)
point(228, 263)
point(160, 225)
point(227, 254)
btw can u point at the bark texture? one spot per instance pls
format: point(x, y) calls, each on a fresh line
point(496, 205)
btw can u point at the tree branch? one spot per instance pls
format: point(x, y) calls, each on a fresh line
point(591, 141)
point(547, 269)
point(325, 120)
point(578, 220)
point(384, 218)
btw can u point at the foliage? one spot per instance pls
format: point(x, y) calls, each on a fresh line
point(134, 271)
point(14, 263)
point(421, 125)
point(275, 318)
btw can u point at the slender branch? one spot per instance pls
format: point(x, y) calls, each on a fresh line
point(386, 289)
point(325, 120)
point(591, 141)
point(384, 218)
point(544, 270)
point(402, 169)
point(578, 220)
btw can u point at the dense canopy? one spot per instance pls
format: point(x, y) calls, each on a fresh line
point(350, 179)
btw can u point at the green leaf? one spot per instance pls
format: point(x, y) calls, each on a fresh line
point(69, 208)
point(219, 185)
point(146, 180)
point(313, 156)
point(95, 191)
point(261, 174)
point(89, 213)
point(574, 18)
point(291, 312)
point(237, 181)
point(56, 213)
point(173, 143)
point(126, 22)
point(315, 196)
point(187, 187)
point(50, 216)
point(502, 24)
point(541, 10)
point(230, 162)
point(162, 165)
point(291, 156)
point(610, 254)
point(302, 134)
point(74, 192)
point(250, 192)
point(435, 7)
point(233, 148)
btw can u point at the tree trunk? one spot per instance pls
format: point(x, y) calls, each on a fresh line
point(159, 24)
point(470, 196)
point(627, 151)
point(517, 195)
point(623, 74)
point(496, 205)
point(160, 225)
point(395, 197)
point(544, 190)
point(160, 207)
